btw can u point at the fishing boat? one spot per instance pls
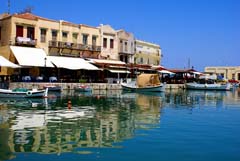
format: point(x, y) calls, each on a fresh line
point(23, 93)
point(145, 83)
point(208, 83)
point(83, 88)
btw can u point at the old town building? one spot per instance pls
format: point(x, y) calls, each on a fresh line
point(227, 72)
point(126, 46)
point(147, 53)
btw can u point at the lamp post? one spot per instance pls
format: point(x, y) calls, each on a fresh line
point(45, 59)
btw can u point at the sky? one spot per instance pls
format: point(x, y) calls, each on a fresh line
point(196, 32)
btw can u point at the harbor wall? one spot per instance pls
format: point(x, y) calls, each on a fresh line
point(95, 86)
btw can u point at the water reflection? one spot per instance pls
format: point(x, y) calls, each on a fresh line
point(198, 98)
point(99, 119)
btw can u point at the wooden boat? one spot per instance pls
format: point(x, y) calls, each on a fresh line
point(145, 83)
point(23, 93)
point(83, 88)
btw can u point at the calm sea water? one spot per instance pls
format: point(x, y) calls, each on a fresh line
point(116, 126)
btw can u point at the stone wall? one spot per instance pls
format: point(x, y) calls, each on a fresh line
point(95, 86)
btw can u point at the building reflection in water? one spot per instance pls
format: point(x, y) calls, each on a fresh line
point(92, 121)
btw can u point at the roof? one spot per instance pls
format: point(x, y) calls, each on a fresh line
point(31, 16)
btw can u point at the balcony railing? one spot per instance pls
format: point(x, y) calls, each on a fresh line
point(24, 41)
point(73, 46)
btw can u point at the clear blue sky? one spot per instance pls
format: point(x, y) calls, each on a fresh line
point(205, 31)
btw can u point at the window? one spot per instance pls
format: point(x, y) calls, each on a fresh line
point(74, 37)
point(85, 39)
point(105, 42)
point(125, 47)
point(141, 60)
point(135, 60)
point(121, 46)
point(30, 33)
point(64, 36)
point(94, 40)
point(111, 43)
point(0, 32)
point(233, 76)
point(43, 33)
point(54, 35)
point(19, 31)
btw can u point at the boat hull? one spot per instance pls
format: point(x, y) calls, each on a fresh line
point(222, 87)
point(5, 93)
point(157, 88)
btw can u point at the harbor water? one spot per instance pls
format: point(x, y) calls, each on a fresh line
point(115, 126)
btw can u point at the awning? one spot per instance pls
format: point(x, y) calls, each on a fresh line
point(71, 63)
point(118, 71)
point(30, 57)
point(6, 63)
point(165, 72)
point(104, 61)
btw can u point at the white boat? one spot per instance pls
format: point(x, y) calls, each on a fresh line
point(208, 83)
point(23, 93)
point(207, 86)
point(145, 83)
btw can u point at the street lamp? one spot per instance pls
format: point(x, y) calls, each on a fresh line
point(45, 59)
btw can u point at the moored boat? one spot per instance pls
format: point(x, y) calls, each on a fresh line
point(23, 93)
point(207, 86)
point(208, 83)
point(145, 83)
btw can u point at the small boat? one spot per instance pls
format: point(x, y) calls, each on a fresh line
point(206, 86)
point(23, 93)
point(208, 83)
point(83, 88)
point(145, 83)
point(53, 88)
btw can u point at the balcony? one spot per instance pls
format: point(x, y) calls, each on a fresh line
point(73, 46)
point(24, 41)
point(124, 51)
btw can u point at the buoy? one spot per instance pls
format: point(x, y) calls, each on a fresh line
point(69, 104)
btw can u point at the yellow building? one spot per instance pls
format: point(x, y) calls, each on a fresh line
point(225, 71)
point(147, 53)
point(56, 38)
